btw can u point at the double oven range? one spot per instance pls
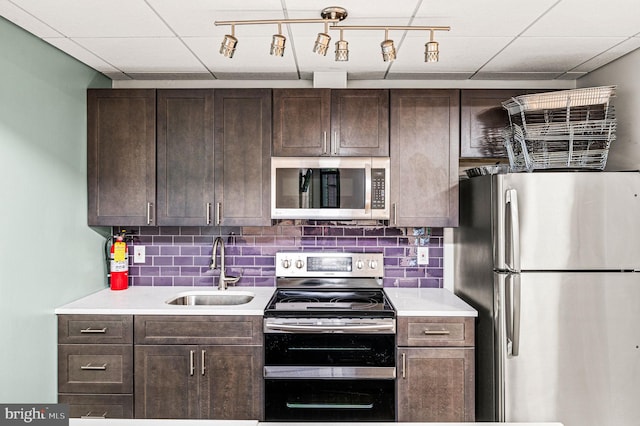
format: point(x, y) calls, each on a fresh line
point(329, 338)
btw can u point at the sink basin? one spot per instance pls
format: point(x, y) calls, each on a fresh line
point(221, 297)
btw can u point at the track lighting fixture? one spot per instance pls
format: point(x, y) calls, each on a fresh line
point(332, 15)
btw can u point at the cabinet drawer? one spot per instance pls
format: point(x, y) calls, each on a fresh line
point(187, 329)
point(98, 406)
point(95, 368)
point(440, 331)
point(95, 329)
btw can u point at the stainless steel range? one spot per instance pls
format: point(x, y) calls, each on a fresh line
point(329, 340)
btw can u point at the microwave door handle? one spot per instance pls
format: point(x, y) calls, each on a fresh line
point(368, 181)
point(513, 232)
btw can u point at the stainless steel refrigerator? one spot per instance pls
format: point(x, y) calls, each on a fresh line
point(550, 260)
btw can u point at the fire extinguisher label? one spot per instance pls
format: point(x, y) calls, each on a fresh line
point(119, 266)
point(119, 251)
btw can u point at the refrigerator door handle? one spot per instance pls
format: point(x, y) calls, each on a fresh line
point(512, 308)
point(513, 230)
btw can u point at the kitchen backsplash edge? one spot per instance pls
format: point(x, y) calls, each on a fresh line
point(180, 256)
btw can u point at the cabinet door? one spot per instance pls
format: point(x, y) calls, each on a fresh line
point(424, 157)
point(482, 120)
point(436, 385)
point(121, 156)
point(360, 122)
point(185, 157)
point(166, 382)
point(242, 157)
point(231, 386)
point(301, 122)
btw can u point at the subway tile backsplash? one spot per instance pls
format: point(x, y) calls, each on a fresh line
point(180, 256)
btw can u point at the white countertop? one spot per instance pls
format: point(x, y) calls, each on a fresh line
point(151, 301)
point(434, 302)
point(145, 422)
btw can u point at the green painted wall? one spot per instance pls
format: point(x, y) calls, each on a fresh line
point(48, 255)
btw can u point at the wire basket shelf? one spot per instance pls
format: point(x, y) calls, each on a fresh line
point(565, 129)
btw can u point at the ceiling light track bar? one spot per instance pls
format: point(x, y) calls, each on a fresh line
point(387, 27)
point(278, 21)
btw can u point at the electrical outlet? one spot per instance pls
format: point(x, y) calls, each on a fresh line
point(138, 254)
point(423, 255)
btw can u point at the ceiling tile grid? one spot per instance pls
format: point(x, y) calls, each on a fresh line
point(488, 40)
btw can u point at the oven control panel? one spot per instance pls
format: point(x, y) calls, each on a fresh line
point(323, 264)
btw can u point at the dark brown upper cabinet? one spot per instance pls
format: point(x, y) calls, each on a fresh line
point(121, 156)
point(325, 122)
point(185, 184)
point(424, 157)
point(482, 121)
point(242, 120)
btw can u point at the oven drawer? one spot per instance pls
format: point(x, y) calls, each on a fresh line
point(435, 331)
point(342, 350)
point(330, 400)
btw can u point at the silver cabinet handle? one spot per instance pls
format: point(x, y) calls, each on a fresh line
point(218, 217)
point(511, 201)
point(90, 330)
point(202, 366)
point(324, 142)
point(90, 416)
point(335, 142)
point(192, 363)
point(436, 332)
point(208, 213)
point(404, 365)
point(93, 367)
point(149, 217)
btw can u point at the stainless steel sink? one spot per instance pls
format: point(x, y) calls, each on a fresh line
point(222, 297)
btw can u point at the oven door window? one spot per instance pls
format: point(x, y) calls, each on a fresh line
point(329, 400)
point(330, 349)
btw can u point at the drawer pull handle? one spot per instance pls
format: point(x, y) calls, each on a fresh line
point(90, 330)
point(89, 416)
point(436, 332)
point(93, 367)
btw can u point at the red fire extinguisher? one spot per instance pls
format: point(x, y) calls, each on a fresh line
point(119, 264)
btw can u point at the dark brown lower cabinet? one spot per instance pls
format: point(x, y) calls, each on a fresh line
point(436, 385)
point(436, 374)
point(198, 382)
point(105, 406)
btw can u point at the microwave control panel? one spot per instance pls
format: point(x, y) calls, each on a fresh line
point(377, 188)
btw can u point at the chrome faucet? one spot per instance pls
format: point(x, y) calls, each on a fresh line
point(224, 280)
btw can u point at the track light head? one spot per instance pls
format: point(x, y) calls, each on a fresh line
point(228, 46)
point(322, 44)
point(388, 51)
point(431, 52)
point(342, 51)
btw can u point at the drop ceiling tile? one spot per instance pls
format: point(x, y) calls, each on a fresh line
point(612, 54)
point(588, 18)
point(82, 54)
point(144, 55)
point(252, 56)
point(98, 18)
point(30, 23)
point(195, 18)
point(488, 18)
point(548, 54)
point(457, 54)
point(356, 9)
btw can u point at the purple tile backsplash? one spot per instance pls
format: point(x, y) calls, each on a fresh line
point(180, 256)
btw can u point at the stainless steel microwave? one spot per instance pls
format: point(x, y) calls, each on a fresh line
point(330, 188)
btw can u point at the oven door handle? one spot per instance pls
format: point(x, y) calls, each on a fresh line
point(329, 328)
